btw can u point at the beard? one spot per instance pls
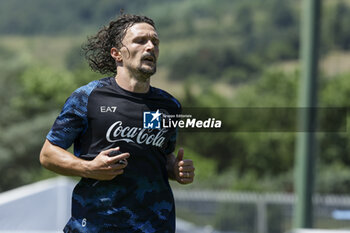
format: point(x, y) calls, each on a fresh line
point(148, 71)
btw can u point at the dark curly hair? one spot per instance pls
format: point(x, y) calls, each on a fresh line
point(97, 49)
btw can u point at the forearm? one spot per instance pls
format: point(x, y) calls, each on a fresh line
point(61, 161)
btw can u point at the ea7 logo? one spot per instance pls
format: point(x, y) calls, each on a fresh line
point(108, 108)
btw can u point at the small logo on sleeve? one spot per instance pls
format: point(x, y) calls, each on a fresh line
point(151, 120)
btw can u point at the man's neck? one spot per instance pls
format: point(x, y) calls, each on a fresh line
point(133, 84)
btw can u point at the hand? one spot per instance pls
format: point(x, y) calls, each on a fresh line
point(183, 168)
point(104, 167)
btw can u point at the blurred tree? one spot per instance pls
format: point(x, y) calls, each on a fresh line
point(214, 63)
point(335, 32)
point(12, 64)
point(20, 144)
point(250, 151)
point(339, 26)
point(43, 89)
point(334, 148)
point(30, 103)
point(74, 59)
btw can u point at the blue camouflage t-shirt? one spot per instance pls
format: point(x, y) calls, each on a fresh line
point(102, 115)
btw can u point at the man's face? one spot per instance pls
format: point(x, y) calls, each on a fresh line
point(141, 49)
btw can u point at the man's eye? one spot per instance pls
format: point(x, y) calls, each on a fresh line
point(141, 41)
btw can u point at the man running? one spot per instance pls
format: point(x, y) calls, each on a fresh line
point(124, 163)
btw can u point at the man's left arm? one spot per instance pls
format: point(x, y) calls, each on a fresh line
point(180, 169)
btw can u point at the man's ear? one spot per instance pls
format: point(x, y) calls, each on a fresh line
point(115, 53)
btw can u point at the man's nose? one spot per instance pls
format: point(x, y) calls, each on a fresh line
point(149, 45)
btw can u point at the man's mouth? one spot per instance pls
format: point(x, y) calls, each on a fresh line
point(149, 58)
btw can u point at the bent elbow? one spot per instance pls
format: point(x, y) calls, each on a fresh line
point(43, 159)
point(44, 156)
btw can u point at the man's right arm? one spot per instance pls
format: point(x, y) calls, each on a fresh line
point(63, 162)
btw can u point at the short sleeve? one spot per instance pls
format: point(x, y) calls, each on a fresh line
point(72, 120)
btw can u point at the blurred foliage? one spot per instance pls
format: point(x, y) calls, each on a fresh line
point(62, 16)
point(254, 151)
point(263, 161)
point(236, 43)
point(19, 146)
point(335, 32)
point(44, 88)
point(227, 66)
point(333, 178)
point(8, 84)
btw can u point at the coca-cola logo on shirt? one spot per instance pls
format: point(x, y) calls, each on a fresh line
point(116, 132)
